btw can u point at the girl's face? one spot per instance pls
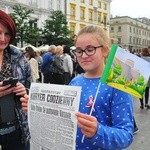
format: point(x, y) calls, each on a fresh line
point(91, 64)
point(4, 37)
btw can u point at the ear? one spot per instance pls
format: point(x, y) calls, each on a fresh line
point(105, 51)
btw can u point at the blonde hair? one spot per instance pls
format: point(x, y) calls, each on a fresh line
point(102, 36)
point(59, 50)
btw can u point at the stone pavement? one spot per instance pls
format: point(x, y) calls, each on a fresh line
point(142, 138)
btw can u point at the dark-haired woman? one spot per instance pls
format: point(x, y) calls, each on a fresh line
point(30, 55)
point(14, 131)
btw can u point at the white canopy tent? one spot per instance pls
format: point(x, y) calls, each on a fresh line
point(43, 48)
point(34, 48)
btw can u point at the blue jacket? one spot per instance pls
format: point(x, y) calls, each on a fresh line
point(47, 61)
point(113, 110)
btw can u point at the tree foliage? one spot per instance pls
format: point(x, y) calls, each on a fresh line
point(56, 30)
point(26, 32)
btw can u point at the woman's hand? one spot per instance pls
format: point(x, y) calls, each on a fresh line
point(5, 90)
point(87, 123)
point(24, 102)
point(20, 89)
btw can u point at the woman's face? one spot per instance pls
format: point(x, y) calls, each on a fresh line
point(4, 37)
point(92, 63)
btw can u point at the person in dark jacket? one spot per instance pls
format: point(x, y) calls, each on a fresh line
point(14, 130)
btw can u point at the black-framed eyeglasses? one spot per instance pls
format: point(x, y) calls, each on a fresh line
point(89, 50)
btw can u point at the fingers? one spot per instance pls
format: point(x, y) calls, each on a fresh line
point(25, 107)
point(24, 102)
point(20, 89)
point(85, 119)
point(24, 99)
point(87, 123)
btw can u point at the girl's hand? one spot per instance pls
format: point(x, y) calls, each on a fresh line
point(87, 123)
point(24, 102)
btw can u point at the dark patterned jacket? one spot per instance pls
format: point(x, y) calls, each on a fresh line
point(21, 69)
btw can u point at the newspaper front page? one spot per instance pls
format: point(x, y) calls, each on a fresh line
point(51, 116)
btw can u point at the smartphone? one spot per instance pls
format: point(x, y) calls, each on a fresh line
point(11, 81)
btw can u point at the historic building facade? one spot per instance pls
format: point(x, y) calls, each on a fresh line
point(132, 34)
point(79, 13)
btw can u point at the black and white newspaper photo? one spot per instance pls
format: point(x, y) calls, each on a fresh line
point(51, 116)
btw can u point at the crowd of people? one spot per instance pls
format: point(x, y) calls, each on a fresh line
point(56, 66)
point(111, 124)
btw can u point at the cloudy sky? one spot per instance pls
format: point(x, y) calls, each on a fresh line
point(132, 8)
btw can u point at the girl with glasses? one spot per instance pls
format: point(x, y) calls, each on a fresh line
point(110, 126)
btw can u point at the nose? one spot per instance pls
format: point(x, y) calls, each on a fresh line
point(2, 36)
point(84, 54)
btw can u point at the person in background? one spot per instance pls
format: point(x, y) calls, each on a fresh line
point(146, 56)
point(39, 59)
point(47, 61)
point(14, 130)
point(30, 55)
point(67, 65)
point(56, 68)
point(111, 124)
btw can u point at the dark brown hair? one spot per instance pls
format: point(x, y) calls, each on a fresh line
point(30, 51)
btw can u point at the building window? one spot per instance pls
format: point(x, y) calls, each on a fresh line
point(130, 29)
point(72, 11)
point(139, 32)
point(105, 20)
point(59, 4)
point(82, 1)
point(50, 4)
point(134, 40)
point(133, 30)
point(90, 2)
point(99, 4)
point(90, 15)
point(119, 29)
point(95, 13)
point(105, 6)
point(119, 40)
point(99, 17)
point(139, 41)
point(82, 13)
point(73, 27)
point(112, 29)
point(130, 40)
point(33, 22)
point(33, 2)
point(82, 26)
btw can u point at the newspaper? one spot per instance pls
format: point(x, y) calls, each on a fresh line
point(51, 116)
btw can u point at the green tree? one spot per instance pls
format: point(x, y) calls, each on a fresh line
point(25, 24)
point(56, 30)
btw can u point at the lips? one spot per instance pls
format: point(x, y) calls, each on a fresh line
point(85, 61)
point(2, 43)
